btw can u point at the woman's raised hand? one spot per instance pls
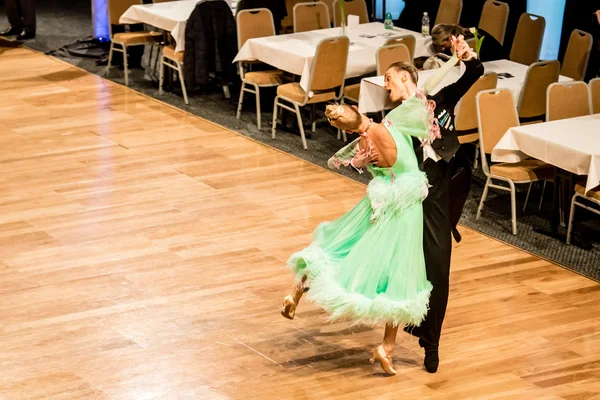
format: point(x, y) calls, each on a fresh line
point(364, 157)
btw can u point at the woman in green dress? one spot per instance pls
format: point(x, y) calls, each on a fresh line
point(368, 265)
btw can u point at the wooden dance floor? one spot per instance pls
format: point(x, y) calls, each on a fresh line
point(143, 252)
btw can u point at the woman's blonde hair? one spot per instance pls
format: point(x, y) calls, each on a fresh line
point(343, 117)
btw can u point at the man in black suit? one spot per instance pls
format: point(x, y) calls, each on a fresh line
point(449, 173)
point(21, 17)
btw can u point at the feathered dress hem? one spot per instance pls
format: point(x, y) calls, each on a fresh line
point(343, 305)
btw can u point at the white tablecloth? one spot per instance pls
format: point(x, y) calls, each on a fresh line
point(294, 52)
point(373, 98)
point(571, 144)
point(170, 16)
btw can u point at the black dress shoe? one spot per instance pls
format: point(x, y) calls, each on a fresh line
point(10, 31)
point(456, 235)
point(26, 36)
point(432, 358)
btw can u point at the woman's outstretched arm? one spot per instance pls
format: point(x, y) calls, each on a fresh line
point(434, 80)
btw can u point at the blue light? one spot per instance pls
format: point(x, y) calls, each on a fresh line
point(100, 20)
point(553, 11)
point(394, 7)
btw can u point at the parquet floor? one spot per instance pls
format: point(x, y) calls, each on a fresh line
point(142, 257)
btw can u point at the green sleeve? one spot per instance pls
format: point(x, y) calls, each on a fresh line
point(344, 155)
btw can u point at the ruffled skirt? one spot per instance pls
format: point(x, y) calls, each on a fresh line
point(368, 265)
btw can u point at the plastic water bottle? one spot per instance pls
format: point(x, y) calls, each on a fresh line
point(425, 24)
point(388, 23)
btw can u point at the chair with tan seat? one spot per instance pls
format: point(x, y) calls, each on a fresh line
point(494, 18)
point(174, 60)
point(595, 92)
point(532, 99)
point(527, 44)
point(576, 58)
point(325, 82)
point(287, 23)
point(116, 8)
point(408, 40)
point(592, 196)
point(255, 23)
point(496, 113)
point(465, 121)
point(330, 8)
point(385, 57)
point(311, 17)
point(351, 7)
point(449, 12)
point(567, 100)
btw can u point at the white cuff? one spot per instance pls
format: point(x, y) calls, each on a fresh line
point(360, 171)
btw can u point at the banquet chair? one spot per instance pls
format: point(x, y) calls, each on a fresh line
point(330, 8)
point(325, 82)
point(449, 12)
point(287, 23)
point(527, 44)
point(496, 114)
point(174, 60)
point(494, 18)
point(409, 40)
point(465, 120)
point(255, 23)
point(575, 61)
point(121, 41)
point(311, 16)
point(567, 100)
point(595, 92)
point(351, 7)
point(532, 99)
point(592, 196)
point(384, 58)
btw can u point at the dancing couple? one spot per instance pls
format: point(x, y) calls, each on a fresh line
point(386, 262)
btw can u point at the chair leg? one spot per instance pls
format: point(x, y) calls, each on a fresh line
point(156, 59)
point(110, 56)
point(180, 70)
point(125, 65)
point(300, 125)
point(150, 57)
point(542, 196)
point(274, 125)
point(476, 160)
point(241, 100)
point(513, 206)
point(571, 216)
point(344, 136)
point(483, 197)
point(256, 89)
point(314, 116)
point(161, 76)
point(226, 92)
point(527, 198)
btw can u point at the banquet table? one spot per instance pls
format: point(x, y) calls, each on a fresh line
point(571, 144)
point(511, 75)
point(171, 16)
point(294, 52)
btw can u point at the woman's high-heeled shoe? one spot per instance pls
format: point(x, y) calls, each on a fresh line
point(288, 309)
point(385, 360)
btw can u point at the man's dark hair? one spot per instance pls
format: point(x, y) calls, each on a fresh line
point(404, 66)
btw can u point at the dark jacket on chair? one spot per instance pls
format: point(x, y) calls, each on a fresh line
point(210, 44)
